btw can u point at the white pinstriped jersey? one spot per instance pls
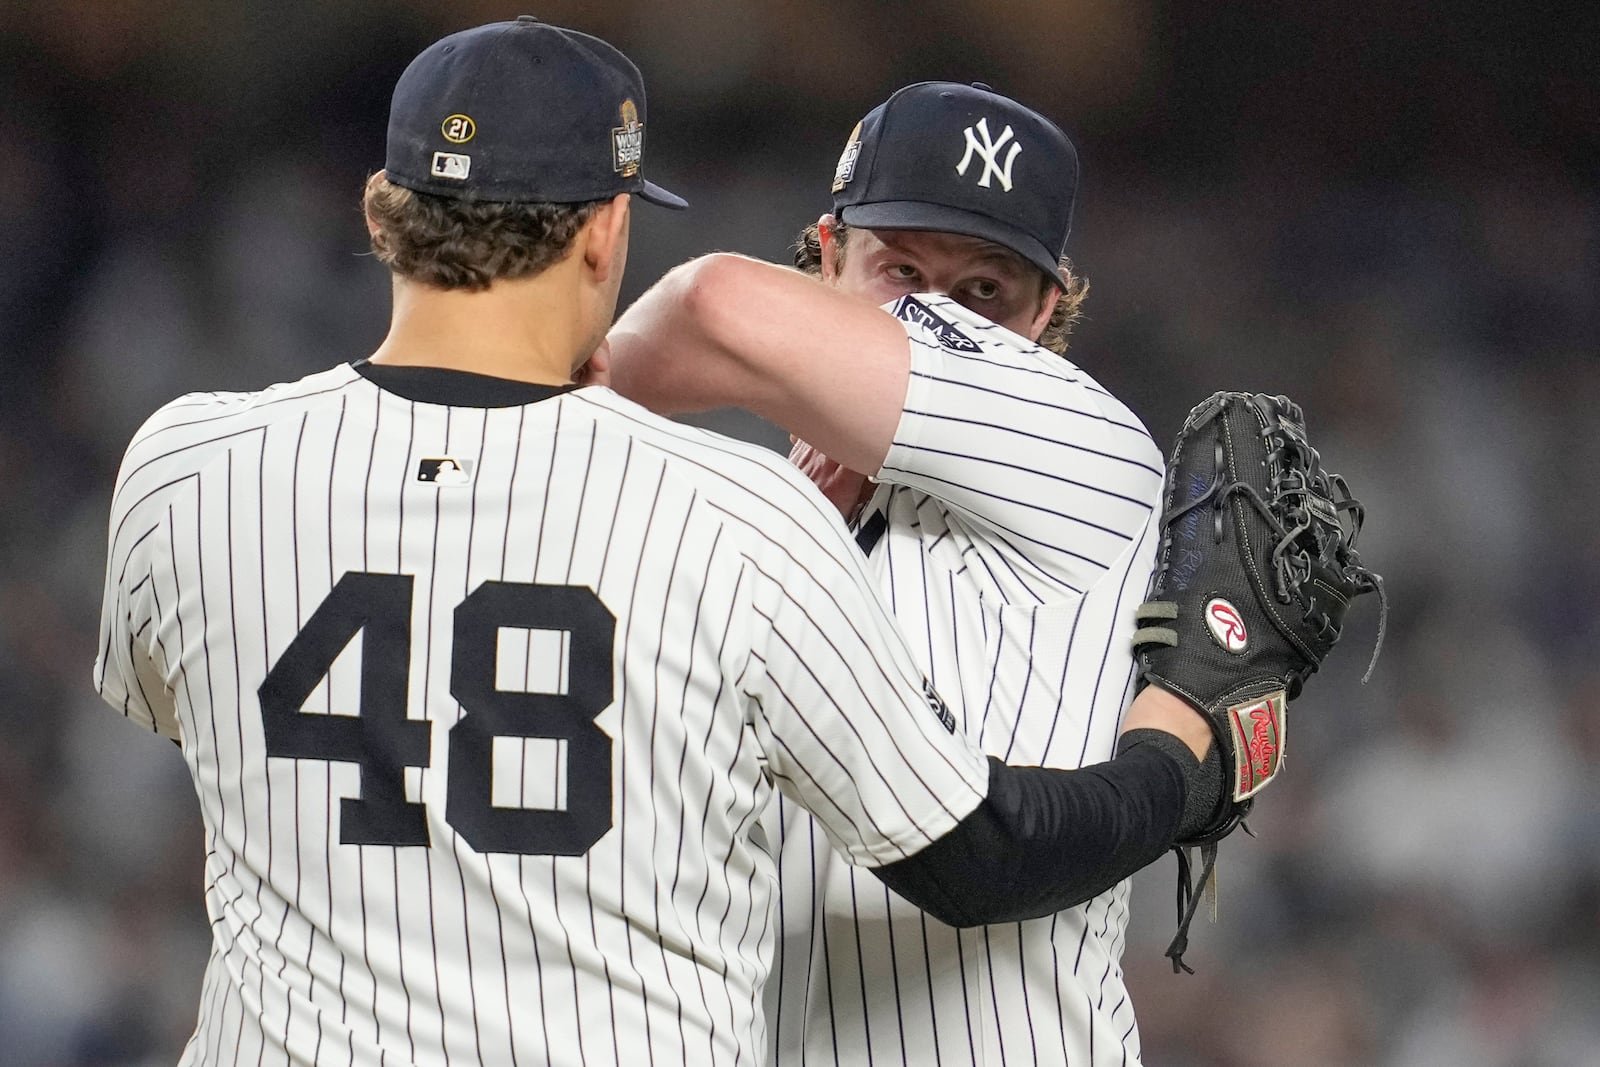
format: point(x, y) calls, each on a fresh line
point(1013, 534)
point(481, 704)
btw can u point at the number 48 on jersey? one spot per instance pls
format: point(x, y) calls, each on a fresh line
point(383, 740)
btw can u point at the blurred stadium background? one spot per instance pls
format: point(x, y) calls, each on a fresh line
point(1388, 210)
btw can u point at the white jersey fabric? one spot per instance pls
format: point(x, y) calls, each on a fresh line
point(482, 698)
point(1013, 534)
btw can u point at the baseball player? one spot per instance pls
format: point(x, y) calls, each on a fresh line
point(485, 675)
point(1011, 525)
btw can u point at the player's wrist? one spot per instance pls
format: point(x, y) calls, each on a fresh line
point(1158, 708)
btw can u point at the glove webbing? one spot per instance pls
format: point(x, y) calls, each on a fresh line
point(1300, 481)
point(1290, 566)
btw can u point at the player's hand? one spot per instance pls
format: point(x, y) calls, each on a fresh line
point(597, 371)
point(845, 489)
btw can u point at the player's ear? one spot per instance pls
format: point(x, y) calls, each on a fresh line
point(605, 235)
point(828, 244)
point(1047, 307)
point(372, 224)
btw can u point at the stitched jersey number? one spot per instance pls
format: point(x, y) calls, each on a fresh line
point(383, 741)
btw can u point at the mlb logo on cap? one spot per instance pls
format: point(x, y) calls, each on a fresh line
point(451, 165)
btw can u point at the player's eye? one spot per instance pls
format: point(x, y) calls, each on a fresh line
point(983, 289)
point(902, 272)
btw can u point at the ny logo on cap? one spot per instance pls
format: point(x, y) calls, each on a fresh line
point(987, 151)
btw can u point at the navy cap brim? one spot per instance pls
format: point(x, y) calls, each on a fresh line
point(920, 215)
point(656, 195)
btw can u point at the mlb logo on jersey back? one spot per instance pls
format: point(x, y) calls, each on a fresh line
point(910, 309)
point(446, 470)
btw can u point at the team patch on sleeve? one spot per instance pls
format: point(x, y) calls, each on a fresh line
point(946, 717)
point(910, 309)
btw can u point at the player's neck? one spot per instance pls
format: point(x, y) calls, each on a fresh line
point(528, 330)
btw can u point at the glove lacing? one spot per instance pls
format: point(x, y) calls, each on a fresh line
point(1189, 893)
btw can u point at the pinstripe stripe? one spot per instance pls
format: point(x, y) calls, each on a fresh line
point(1034, 473)
point(498, 912)
point(325, 816)
point(259, 962)
point(361, 857)
point(335, 454)
point(1011, 398)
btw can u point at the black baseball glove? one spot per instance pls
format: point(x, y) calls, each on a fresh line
point(1257, 566)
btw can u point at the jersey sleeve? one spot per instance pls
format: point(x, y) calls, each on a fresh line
point(128, 671)
point(1022, 443)
point(852, 730)
point(125, 673)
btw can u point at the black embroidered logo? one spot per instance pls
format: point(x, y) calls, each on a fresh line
point(910, 309)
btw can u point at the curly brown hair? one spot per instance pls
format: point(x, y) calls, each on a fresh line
point(1068, 310)
point(467, 244)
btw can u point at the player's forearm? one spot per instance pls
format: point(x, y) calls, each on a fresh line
point(728, 330)
point(1048, 839)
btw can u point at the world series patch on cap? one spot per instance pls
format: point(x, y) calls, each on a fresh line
point(521, 111)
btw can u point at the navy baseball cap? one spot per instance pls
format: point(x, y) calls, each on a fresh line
point(961, 159)
point(521, 111)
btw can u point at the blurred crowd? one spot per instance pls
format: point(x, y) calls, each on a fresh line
point(1396, 225)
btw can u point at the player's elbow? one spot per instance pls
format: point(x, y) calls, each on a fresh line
point(977, 909)
point(717, 293)
point(675, 350)
point(912, 880)
point(960, 894)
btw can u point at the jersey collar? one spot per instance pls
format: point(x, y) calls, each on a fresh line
point(455, 388)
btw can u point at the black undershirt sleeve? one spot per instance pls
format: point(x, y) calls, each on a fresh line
point(1047, 839)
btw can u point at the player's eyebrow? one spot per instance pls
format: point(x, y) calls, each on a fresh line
point(898, 243)
point(1000, 261)
point(1004, 256)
